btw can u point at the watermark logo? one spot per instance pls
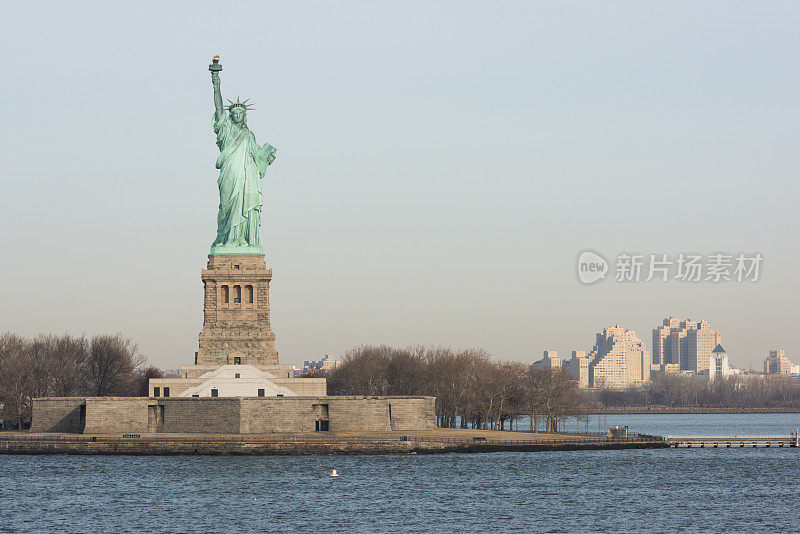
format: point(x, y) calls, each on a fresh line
point(592, 267)
point(683, 267)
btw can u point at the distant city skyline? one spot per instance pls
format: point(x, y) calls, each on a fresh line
point(441, 167)
point(620, 359)
point(684, 345)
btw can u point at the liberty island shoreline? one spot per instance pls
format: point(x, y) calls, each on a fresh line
point(303, 444)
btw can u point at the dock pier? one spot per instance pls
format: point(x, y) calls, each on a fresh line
point(728, 442)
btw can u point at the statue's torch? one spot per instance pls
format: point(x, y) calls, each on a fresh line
point(215, 67)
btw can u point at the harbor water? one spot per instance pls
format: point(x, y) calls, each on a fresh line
point(684, 490)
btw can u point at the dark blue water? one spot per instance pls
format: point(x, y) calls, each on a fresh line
point(685, 490)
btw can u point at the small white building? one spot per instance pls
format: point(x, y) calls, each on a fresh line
point(238, 381)
point(718, 365)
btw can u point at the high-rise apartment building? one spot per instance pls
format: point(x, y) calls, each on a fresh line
point(619, 359)
point(778, 364)
point(683, 345)
point(667, 340)
point(327, 364)
point(578, 368)
point(700, 343)
point(550, 361)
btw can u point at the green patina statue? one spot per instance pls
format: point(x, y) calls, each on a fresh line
point(242, 164)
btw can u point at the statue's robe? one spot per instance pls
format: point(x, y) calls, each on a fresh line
point(242, 164)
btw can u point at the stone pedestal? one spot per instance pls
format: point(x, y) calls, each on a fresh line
point(236, 327)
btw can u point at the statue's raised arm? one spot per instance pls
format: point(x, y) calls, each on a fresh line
point(215, 69)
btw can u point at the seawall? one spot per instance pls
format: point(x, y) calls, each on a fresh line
point(22, 443)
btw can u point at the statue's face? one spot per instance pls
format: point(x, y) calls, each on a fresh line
point(237, 115)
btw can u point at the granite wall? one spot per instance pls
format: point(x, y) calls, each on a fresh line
point(266, 415)
point(58, 414)
point(115, 415)
point(198, 414)
point(232, 415)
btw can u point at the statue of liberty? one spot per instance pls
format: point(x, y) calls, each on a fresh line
point(242, 164)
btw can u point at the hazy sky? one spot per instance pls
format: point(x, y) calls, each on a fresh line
point(440, 166)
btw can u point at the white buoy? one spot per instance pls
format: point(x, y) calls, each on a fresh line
point(334, 473)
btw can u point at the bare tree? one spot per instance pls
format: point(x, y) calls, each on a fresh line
point(362, 372)
point(45, 366)
point(453, 378)
point(65, 366)
point(41, 361)
point(470, 388)
point(57, 365)
point(499, 384)
point(509, 382)
point(111, 365)
point(534, 392)
point(15, 379)
point(441, 382)
point(405, 371)
point(561, 398)
point(143, 380)
point(314, 372)
point(68, 363)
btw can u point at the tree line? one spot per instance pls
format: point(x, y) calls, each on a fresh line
point(737, 391)
point(67, 366)
point(471, 389)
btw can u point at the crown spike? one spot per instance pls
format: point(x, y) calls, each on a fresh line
point(244, 104)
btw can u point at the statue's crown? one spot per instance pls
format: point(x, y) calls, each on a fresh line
point(239, 104)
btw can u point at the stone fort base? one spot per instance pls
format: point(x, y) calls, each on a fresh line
point(232, 415)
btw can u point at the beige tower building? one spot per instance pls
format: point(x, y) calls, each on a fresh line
point(578, 368)
point(683, 345)
point(701, 342)
point(668, 340)
point(550, 360)
point(778, 364)
point(619, 360)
